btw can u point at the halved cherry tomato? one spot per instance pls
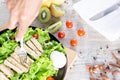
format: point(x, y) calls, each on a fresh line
point(50, 78)
point(61, 34)
point(81, 32)
point(73, 42)
point(69, 24)
point(35, 36)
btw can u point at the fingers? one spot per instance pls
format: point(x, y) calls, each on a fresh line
point(22, 28)
point(24, 22)
point(12, 22)
point(11, 4)
point(20, 12)
point(21, 31)
point(14, 12)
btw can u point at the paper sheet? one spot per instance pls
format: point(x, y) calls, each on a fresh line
point(109, 25)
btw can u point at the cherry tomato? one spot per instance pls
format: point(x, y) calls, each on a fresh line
point(61, 34)
point(50, 78)
point(12, 38)
point(73, 42)
point(69, 24)
point(35, 36)
point(81, 32)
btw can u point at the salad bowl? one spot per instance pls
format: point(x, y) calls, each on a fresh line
point(7, 38)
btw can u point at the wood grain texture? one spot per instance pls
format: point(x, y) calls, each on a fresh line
point(72, 56)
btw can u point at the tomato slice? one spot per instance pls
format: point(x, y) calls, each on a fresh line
point(61, 34)
point(35, 36)
point(69, 24)
point(50, 78)
point(73, 42)
point(81, 32)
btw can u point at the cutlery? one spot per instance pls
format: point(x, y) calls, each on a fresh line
point(22, 53)
point(105, 12)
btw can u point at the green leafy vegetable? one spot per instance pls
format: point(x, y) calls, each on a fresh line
point(43, 35)
point(52, 46)
point(28, 34)
point(5, 36)
point(6, 49)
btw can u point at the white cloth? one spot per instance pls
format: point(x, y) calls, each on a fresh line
point(109, 25)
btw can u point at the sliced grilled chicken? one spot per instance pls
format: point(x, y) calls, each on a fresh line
point(18, 65)
point(31, 52)
point(17, 49)
point(6, 70)
point(17, 58)
point(33, 47)
point(28, 62)
point(7, 63)
point(37, 44)
point(3, 77)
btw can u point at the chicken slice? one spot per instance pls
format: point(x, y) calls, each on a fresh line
point(37, 44)
point(17, 58)
point(3, 77)
point(18, 65)
point(6, 70)
point(30, 52)
point(7, 63)
point(33, 47)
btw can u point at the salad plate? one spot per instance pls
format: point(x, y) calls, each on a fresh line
point(36, 70)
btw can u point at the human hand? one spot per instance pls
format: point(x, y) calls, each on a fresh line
point(22, 14)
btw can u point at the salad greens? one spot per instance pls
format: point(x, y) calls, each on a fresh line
point(6, 49)
point(6, 36)
point(43, 66)
point(28, 34)
point(43, 35)
point(52, 46)
point(7, 46)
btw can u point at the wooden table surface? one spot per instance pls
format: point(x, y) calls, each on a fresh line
point(91, 45)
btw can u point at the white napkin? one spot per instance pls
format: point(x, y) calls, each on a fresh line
point(109, 25)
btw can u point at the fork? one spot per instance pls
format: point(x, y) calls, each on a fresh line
point(22, 53)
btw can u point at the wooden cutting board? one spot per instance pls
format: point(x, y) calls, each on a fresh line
point(72, 56)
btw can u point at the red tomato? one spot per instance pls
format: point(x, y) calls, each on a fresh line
point(50, 78)
point(61, 34)
point(73, 42)
point(35, 36)
point(69, 24)
point(81, 32)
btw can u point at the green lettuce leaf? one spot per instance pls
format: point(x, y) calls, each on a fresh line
point(43, 35)
point(6, 49)
point(6, 36)
point(28, 34)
